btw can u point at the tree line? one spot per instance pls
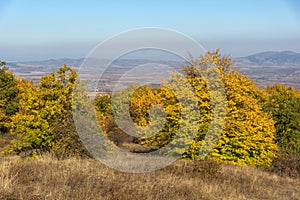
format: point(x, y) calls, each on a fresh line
point(261, 126)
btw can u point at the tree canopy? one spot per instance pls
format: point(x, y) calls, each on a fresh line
point(44, 121)
point(248, 133)
point(8, 97)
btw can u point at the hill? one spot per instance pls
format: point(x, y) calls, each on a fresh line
point(272, 58)
point(89, 179)
point(283, 58)
point(268, 68)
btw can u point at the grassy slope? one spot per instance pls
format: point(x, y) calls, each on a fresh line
point(89, 179)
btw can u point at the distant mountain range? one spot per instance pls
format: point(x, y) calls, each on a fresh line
point(271, 58)
point(265, 68)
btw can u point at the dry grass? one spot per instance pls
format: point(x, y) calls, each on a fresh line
point(89, 179)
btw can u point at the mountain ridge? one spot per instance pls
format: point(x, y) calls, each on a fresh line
point(273, 58)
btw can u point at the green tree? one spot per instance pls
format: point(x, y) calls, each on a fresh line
point(8, 97)
point(284, 105)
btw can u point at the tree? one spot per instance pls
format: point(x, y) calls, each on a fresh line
point(157, 112)
point(8, 97)
point(194, 115)
point(248, 134)
point(44, 121)
point(105, 118)
point(284, 105)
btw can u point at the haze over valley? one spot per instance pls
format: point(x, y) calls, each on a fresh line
point(265, 68)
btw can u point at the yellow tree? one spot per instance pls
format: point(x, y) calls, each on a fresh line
point(201, 118)
point(44, 121)
point(32, 131)
point(248, 133)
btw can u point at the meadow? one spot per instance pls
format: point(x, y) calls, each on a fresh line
point(49, 178)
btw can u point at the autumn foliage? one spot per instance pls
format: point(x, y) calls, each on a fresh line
point(246, 125)
point(247, 136)
point(44, 121)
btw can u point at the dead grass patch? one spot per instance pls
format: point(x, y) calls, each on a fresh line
point(89, 179)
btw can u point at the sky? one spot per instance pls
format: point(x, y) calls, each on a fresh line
point(37, 30)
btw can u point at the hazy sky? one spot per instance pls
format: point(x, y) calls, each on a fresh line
point(33, 30)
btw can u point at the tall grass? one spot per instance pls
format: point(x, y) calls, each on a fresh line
point(48, 178)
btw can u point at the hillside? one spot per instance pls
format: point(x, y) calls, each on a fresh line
point(271, 58)
point(267, 68)
point(89, 179)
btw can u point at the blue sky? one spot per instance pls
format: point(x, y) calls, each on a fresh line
point(34, 30)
